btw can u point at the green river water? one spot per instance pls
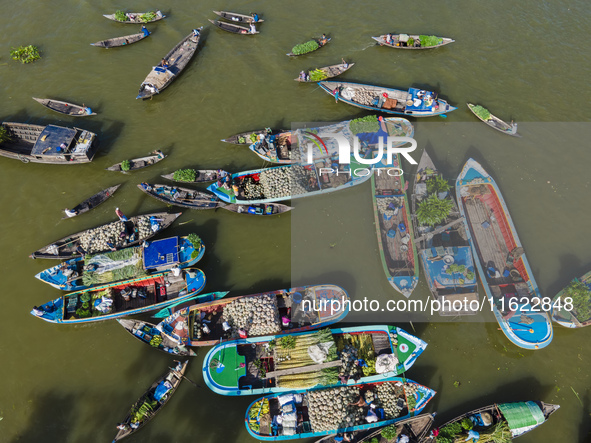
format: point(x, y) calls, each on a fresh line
point(525, 60)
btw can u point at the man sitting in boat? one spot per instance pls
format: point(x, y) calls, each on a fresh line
point(145, 31)
point(253, 28)
point(255, 17)
point(302, 76)
point(323, 40)
point(196, 32)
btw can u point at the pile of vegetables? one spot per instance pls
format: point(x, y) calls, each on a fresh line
point(457, 432)
point(430, 40)
point(185, 175)
point(364, 124)
point(304, 48)
point(4, 137)
point(91, 277)
point(581, 295)
point(120, 16)
point(147, 17)
point(437, 184)
point(260, 408)
point(481, 112)
point(389, 432)
point(125, 165)
point(195, 240)
point(317, 75)
point(25, 54)
point(432, 211)
point(139, 413)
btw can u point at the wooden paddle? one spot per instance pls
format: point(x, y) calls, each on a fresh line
point(178, 374)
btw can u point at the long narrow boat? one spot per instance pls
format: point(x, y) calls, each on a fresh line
point(65, 108)
point(498, 422)
point(442, 243)
point(115, 300)
point(274, 148)
point(183, 197)
point(249, 137)
point(415, 428)
point(571, 307)
point(151, 401)
point(107, 267)
point(260, 209)
point(494, 122)
point(255, 366)
point(413, 102)
point(138, 163)
point(318, 74)
point(48, 144)
point(325, 411)
point(176, 61)
point(235, 17)
point(91, 202)
point(503, 267)
point(318, 41)
point(137, 17)
point(164, 340)
point(105, 237)
point(195, 175)
point(121, 41)
point(412, 41)
point(276, 312)
point(233, 28)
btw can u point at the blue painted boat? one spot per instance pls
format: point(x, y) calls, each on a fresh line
point(443, 248)
point(150, 257)
point(501, 262)
point(413, 102)
point(230, 368)
point(569, 313)
point(325, 411)
point(120, 299)
point(285, 311)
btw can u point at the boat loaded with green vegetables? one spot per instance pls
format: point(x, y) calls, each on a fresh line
point(137, 261)
point(194, 175)
point(485, 116)
point(497, 423)
point(319, 74)
point(309, 46)
point(135, 17)
point(406, 41)
point(124, 298)
point(152, 401)
point(305, 360)
point(324, 411)
point(138, 163)
point(441, 239)
point(571, 307)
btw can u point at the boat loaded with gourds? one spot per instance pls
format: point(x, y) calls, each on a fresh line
point(324, 411)
point(119, 299)
point(308, 359)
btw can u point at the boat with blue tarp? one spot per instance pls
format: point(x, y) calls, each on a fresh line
point(328, 357)
point(123, 298)
point(571, 307)
point(325, 411)
point(501, 261)
point(412, 102)
point(441, 239)
point(155, 256)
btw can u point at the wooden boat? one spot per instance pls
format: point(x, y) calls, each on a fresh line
point(327, 72)
point(443, 248)
point(320, 45)
point(120, 41)
point(496, 123)
point(139, 163)
point(136, 261)
point(136, 17)
point(249, 137)
point(285, 311)
point(271, 367)
point(234, 17)
point(48, 144)
point(92, 241)
point(261, 209)
point(91, 202)
point(325, 411)
point(574, 313)
point(394, 229)
point(415, 428)
point(501, 261)
point(66, 108)
point(178, 58)
point(505, 420)
point(164, 340)
point(152, 401)
point(410, 41)
point(129, 297)
point(177, 196)
point(234, 29)
point(412, 102)
point(274, 148)
point(201, 175)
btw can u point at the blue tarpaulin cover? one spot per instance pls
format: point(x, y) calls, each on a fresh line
point(163, 252)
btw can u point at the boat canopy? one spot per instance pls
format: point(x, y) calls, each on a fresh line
point(161, 253)
point(51, 138)
point(522, 415)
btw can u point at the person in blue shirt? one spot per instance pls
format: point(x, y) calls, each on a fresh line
point(145, 31)
point(255, 17)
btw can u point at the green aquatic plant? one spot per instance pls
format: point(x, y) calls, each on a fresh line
point(125, 165)
point(437, 184)
point(364, 124)
point(121, 16)
point(430, 40)
point(389, 432)
point(304, 48)
point(185, 175)
point(432, 210)
point(25, 54)
point(481, 112)
point(581, 295)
